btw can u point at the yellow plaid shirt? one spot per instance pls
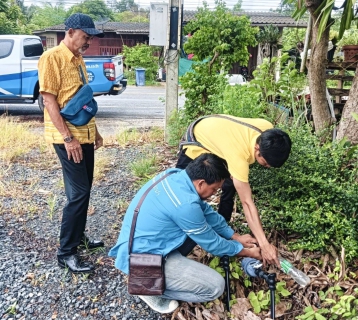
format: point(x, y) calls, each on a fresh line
point(59, 75)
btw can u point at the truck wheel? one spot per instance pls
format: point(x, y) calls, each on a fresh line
point(41, 102)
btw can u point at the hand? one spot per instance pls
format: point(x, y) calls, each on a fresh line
point(269, 255)
point(98, 142)
point(246, 240)
point(251, 253)
point(74, 150)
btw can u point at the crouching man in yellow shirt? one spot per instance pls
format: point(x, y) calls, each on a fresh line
point(241, 142)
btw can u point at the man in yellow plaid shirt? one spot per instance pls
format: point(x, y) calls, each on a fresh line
point(60, 79)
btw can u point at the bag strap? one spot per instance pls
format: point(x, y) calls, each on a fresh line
point(238, 121)
point(189, 138)
point(82, 75)
point(136, 210)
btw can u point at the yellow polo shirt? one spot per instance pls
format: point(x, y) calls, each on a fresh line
point(229, 140)
point(59, 75)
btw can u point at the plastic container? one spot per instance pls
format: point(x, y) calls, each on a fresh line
point(300, 277)
point(140, 76)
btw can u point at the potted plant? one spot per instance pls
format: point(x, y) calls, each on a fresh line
point(349, 45)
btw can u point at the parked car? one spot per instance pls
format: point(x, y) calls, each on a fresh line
point(19, 55)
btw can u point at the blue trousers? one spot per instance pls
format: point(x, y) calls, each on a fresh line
point(78, 179)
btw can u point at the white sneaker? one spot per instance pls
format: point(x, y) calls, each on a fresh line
point(159, 304)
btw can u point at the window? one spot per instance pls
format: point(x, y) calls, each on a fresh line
point(50, 42)
point(6, 47)
point(33, 47)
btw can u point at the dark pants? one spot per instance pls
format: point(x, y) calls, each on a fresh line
point(78, 182)
point(226, 204)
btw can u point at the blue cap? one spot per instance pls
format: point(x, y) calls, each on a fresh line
point(83, 22)
point(250, 266)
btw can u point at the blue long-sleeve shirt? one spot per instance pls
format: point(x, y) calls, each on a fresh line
point(171, 211)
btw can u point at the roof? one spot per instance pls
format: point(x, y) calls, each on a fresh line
point(258, 19)
point(118, 27)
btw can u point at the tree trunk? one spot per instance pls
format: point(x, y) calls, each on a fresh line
point(348, 126)
point(317, 71)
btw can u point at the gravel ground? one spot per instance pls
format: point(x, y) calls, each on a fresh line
point(32, 286)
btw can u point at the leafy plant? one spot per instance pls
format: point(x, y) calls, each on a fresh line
point(52, 202)
point(220, 36)
point(350, 37)
point(218, 39)
point(145, 167)
point(141, 56)
point(314, 194)
point(261, 300)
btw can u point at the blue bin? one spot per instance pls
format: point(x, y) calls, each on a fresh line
point(140, 76)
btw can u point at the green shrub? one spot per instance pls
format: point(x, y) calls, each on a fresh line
point(314, 195)
point(242, 101)
point(141, 56)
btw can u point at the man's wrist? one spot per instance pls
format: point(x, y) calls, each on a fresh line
point(68, 139)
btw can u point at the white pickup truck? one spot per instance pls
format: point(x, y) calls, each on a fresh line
point(19, 55)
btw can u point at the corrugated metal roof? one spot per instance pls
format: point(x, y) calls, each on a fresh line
point(118, 27)
point(257, 19)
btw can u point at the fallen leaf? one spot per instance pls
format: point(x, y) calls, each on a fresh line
point(250, 316)
point(240, 308)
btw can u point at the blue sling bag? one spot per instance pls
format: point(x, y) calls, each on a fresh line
point(82, 107)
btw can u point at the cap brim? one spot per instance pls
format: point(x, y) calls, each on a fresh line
point(93, 32)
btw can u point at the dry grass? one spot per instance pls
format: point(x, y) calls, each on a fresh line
point(139, 137)
point(17, 139)
point(102, 164)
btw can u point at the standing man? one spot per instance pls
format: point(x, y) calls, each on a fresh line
point(60, 79)
point(172, 211)
point(240, 141)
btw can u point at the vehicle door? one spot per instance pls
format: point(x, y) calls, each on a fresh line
point(32, 50)
point(10, 71)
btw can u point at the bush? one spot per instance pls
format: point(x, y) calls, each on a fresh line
point(141, 56)
point(314, 196)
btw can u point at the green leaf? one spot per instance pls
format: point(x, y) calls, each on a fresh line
point(319, 316)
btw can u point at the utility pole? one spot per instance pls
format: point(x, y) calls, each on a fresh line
point(172, 61)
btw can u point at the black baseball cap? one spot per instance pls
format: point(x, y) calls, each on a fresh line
point(83, 22)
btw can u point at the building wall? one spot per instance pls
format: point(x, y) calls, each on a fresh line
point(51, 40)
point(111, 44)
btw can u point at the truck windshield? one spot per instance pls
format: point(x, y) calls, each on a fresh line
point(6, 47)
point(33, 47)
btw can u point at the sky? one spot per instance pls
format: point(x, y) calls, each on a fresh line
point(247, 5)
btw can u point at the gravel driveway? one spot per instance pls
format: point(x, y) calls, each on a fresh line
point(32, 286)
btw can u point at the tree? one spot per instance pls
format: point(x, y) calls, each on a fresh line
point(49, 15)
point(129, 16)
point(96, 9)
point(219, 39)
point(127, 5)
point(321, 14)
point(238, 6)
point(12, 20)
point(220, 36)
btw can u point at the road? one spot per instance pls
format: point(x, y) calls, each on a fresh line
point(135, 107)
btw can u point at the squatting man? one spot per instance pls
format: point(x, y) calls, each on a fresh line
point(174, 210)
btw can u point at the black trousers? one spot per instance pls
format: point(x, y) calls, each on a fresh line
point(78, 179)
point(226, 200)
